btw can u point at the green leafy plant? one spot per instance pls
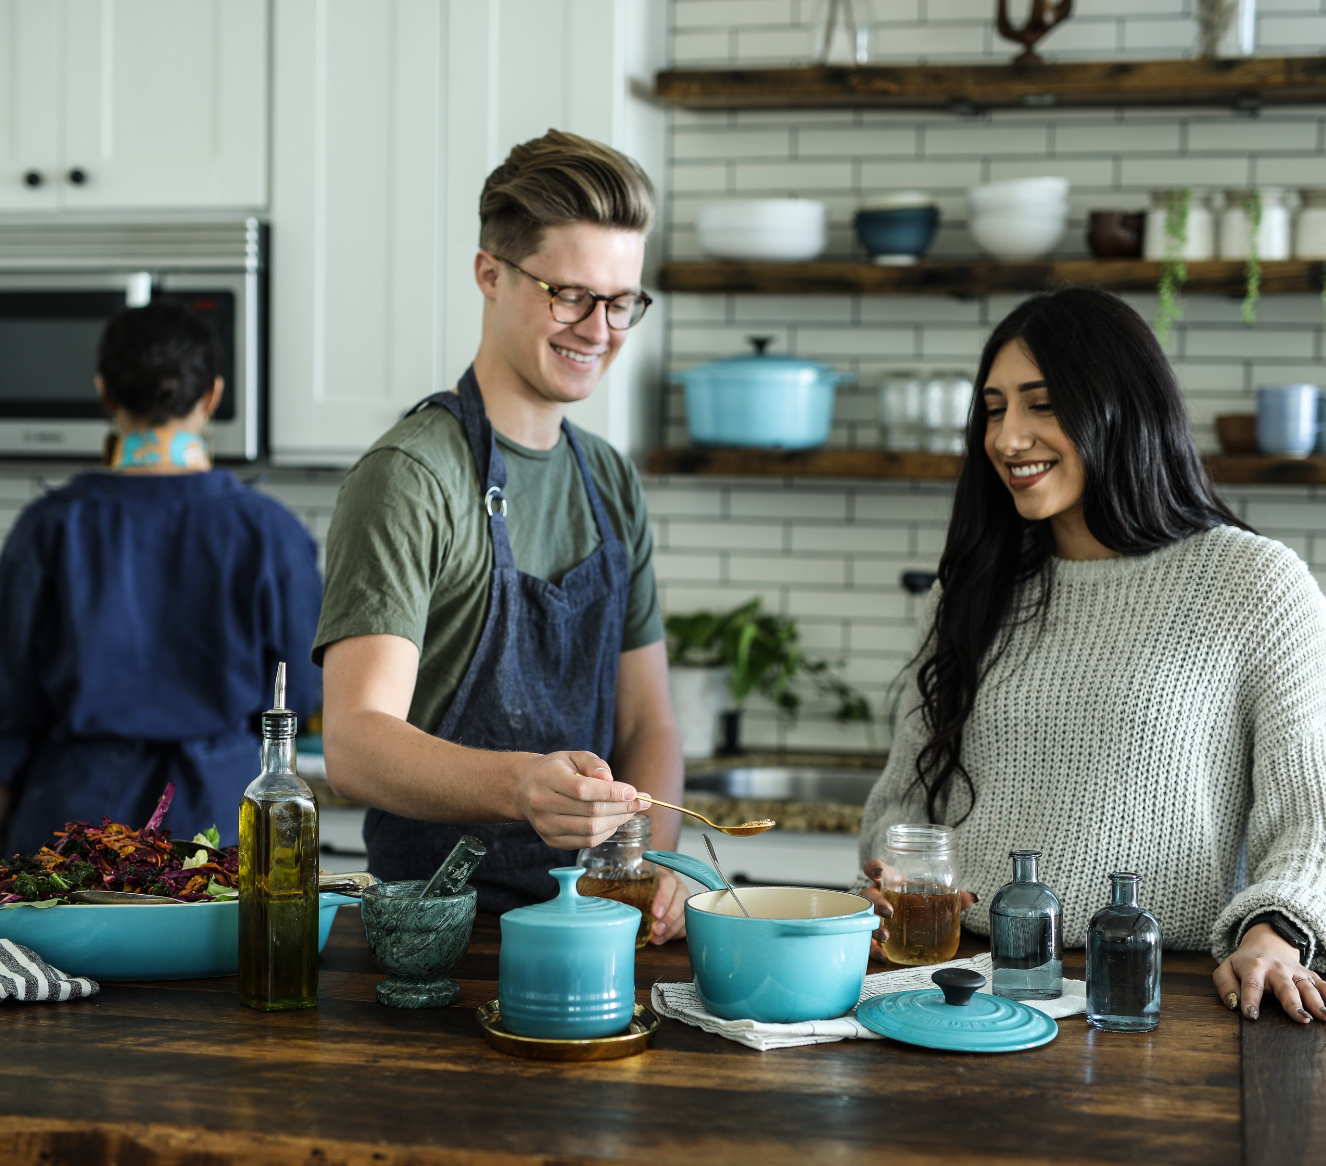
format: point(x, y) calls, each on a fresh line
point(1174, 273)
point(1252, 207)
point(762, 652)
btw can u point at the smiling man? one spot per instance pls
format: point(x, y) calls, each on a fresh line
point(491, 640)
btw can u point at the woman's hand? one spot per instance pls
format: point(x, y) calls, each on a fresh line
point(572, 801)
point(669, 916)
point(1264, 960)
point(877, 871)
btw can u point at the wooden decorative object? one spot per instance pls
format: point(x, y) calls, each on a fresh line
point(1045, 14)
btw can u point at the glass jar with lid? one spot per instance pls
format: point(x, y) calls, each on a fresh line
point(617, 869)
point(921, 884)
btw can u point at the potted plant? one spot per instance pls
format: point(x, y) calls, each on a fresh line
point(717, 659)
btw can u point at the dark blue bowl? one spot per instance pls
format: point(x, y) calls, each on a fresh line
point(906, 230)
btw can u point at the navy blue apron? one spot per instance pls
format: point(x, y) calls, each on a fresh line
point(542, 679)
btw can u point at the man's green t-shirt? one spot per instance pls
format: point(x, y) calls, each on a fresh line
point(409, 552)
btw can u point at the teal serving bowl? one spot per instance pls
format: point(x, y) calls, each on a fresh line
point(566, 970)
point(130, 941)
point(801, 956)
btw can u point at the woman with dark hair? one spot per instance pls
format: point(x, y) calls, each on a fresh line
point(143, 610)
point(1114, 669)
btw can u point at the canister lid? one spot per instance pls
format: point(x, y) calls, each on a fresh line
point(572, 909)
point(985, 1024)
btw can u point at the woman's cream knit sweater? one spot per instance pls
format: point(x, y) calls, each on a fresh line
point(1168, 716)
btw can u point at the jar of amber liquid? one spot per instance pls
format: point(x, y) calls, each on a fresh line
point(617, 869)
point(922, 887)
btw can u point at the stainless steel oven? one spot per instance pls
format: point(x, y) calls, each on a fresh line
point(59, 283)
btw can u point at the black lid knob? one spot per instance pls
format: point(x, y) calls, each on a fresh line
point(760, 343)
point(78, 176)
point(959, 985)
point(34, 178)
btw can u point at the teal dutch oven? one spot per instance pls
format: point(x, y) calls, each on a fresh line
point(802, 955)
point(566, 968)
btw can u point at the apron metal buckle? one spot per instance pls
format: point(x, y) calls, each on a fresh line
point(494, 492)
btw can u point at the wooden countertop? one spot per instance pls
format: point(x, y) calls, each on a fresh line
point(179, 1074)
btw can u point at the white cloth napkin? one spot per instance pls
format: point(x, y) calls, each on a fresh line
point(24, 975)
point(680, 1002)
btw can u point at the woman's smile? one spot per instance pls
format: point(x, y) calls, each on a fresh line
point(1024, 475)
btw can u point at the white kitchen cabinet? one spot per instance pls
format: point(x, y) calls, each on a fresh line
point(387, 118)
point(133, 104)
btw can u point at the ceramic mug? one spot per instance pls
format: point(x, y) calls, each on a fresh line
point(1287, 419)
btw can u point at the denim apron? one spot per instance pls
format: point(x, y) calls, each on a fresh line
point(542, 679)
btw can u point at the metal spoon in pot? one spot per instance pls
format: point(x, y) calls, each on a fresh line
point(710, 847)
point(746, 828)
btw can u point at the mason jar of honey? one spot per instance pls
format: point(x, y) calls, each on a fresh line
point(922, 886)
point(617, 869)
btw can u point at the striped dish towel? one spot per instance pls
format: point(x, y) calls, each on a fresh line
point(24, 975)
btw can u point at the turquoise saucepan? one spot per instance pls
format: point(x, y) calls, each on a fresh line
point(801, 956)
point(184, 941)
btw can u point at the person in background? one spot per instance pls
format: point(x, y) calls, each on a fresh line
point(1115, 670)
point(143, 610)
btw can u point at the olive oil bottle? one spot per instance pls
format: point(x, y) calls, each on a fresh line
point(278, 874)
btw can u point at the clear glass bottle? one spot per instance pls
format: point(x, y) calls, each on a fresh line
point(1123, 962)
point(923, 891)
point(617, 869)
point(1027, 935)
point(278, 874)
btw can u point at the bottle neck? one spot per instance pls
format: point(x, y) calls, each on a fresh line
point(1024, 867)
point(278, 754)
point(1123, 890)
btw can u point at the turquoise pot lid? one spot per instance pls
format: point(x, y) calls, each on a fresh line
point(988, 1024)
point(572, 909)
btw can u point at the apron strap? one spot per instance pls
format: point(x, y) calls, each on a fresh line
point(606, 533)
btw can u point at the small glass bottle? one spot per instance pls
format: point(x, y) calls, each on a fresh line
point(617, 869)
point(278, 874)
point(1027, 935)
point(1123, 962)
point(926, 925)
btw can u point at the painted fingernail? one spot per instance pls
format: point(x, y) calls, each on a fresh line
point(1232, 1001)
point(1252, 1012)
point(1303, 1012)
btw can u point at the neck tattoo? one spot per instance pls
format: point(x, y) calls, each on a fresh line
point(161, 447)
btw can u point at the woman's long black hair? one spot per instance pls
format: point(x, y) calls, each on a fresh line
point(1117, 400)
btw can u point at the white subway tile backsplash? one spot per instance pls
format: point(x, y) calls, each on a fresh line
point(745, 536)
point(853, 538)
point(1257, 135)
point(982, 138)
point(802, 177)
point(723, 14)
point(1250, 342)
point(857, 141)
point(1235, 170)
point(774, 570)
point(801, 502)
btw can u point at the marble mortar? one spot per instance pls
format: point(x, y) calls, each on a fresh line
point(416, 942)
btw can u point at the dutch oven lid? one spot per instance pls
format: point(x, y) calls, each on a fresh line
point(762, 360)
point(958, 1018)
point(572, 909)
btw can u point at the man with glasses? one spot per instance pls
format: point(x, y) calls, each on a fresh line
point(491, 642)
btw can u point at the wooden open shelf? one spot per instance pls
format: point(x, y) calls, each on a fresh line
point(1246, 83)
point(1231, 469)
point(979, 277)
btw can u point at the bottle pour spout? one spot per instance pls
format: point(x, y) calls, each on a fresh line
point(280, 686)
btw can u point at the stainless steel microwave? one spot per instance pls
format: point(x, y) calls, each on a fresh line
point(60, 282)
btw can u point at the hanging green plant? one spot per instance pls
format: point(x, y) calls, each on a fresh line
point(1252, 207)
point(1174, 273)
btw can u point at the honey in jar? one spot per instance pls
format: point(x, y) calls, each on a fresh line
point(922, 887)
point(617, 869)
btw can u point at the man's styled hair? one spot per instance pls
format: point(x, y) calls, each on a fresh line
point(559, 179)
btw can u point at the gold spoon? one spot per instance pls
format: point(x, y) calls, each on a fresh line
point(736, 831)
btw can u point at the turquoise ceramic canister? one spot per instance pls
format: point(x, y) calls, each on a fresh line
point(567, 967)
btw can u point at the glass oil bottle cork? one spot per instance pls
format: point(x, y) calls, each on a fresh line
point(278, 874)
point(1027, 935)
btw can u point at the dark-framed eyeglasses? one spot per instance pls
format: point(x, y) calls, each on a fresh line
point(571, 305)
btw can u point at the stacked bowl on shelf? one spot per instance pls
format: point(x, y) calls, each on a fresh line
point(768, 229)
point(1018, 219)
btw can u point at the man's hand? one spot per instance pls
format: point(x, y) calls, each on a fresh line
point(571, 800)
point(880, 872)
point(668, 910)
point(1264, 960)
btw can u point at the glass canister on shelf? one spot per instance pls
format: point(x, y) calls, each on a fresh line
point(922, 888)
point(1265, 204)
point(948, 398)
point(617, 869)
point(1310, 230)
point(1195, 229)
point(1123, 962)
point(1027, 935)
point(901, 411)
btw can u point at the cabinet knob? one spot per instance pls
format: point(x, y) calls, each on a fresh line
point(78, 176)
point(34, 178)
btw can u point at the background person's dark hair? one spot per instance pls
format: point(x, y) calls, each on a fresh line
point(157, 361)
point(1116, 398)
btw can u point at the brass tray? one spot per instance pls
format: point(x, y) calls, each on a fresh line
point(604, 1048)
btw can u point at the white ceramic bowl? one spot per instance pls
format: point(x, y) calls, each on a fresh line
point(786, 229)
point(1019, 235)
point(1016, 193)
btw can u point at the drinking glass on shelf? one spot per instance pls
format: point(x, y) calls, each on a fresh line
point(922, 887)
point(900, 410)
point(948, 397)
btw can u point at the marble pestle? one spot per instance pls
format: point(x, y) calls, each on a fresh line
point(458, 867)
